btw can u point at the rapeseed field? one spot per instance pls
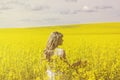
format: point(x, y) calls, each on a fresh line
point(21, 52)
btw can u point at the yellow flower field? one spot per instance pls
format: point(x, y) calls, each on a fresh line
point(98, 44)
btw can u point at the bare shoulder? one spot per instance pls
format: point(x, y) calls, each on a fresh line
point(59, 51)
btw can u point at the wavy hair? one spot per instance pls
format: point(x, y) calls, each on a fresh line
point(52, 43)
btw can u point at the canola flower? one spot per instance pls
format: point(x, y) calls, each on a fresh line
point(21, 50)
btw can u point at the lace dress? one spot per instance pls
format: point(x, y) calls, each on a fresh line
point(52, 70)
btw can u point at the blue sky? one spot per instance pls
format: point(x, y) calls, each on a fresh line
point(28, 13)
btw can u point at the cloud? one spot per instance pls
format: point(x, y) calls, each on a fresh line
point(103, 7)
point(24, 5)
point(42, 21)
point(52, 19)
point(85, 9)
point(26, 20)
point(88, 9)
point(40, 8)
point(4, 7)
point(65, 12)
point(16, 3)
point(13, 5)
point(71, 0)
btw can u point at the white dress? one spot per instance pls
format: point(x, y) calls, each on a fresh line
point(59, 52)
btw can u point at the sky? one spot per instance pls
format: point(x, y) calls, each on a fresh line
point(32, 13)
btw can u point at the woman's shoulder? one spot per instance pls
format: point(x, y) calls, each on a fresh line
point(59, 51)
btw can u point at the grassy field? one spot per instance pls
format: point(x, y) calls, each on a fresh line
point(98, 44)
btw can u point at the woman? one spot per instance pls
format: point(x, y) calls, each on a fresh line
point(52, 49)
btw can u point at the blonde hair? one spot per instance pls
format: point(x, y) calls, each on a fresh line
point(52, 43)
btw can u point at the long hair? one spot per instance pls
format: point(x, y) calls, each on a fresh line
point(52, 43)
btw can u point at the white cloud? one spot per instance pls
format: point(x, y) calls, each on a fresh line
point(85, 8)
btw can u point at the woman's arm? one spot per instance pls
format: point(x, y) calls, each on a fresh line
point(63, 57)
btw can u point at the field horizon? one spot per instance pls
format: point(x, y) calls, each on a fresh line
point(107, 26)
